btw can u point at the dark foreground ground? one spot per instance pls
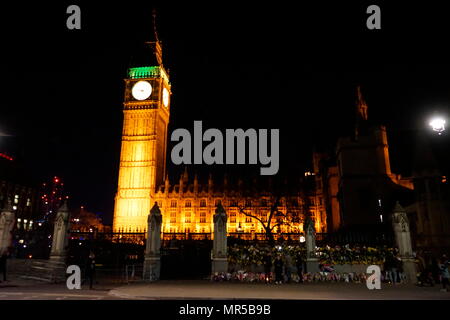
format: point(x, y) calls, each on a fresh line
point(20, 289)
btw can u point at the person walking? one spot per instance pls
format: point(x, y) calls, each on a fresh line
point(445, 274)
point(278, 270)
point(3, 258)
point(267, 265)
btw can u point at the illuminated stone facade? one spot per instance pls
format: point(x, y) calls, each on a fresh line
point(144, 141)
point(189, 207)
point(186, 208)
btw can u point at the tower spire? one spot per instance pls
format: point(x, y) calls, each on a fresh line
point(154, 25)
point(361, 105)
point(361, 113)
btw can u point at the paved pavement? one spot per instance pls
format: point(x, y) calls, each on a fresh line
point(25, 289)
point(317, 291)
point(19, 289)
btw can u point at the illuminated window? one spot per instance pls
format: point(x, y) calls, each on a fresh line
point(202, 203)
point(28, 202)
point(248, 219)
point(173, 217)
point(173, 204)
point(232, 217)
point(16, 198)
point(187, 218)
point(202, 217)
point(188, 204)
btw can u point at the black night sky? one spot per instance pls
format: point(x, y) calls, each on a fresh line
point(262, 66)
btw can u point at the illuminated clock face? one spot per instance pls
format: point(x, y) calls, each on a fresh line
point(141, 90)
point(165, 97)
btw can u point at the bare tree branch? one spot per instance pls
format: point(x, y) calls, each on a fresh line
point(241, 209)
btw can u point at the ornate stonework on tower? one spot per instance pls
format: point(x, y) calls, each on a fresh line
point(144, 140)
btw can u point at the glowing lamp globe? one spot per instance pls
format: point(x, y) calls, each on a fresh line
point(437, 125)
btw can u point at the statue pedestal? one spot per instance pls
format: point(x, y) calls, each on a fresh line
point(312, 265)
point(410, 270)
point(219, 265)
point(152, 268)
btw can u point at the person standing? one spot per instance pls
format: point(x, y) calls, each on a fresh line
point(390, 268)
point(288, 267)
point(445, 274)
point(278, 270)
point(267, 265)
point(299, 265)
point(3, 258)
point(90, 268)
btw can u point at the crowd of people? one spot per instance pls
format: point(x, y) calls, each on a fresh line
point(282, 267)
point(434, 271)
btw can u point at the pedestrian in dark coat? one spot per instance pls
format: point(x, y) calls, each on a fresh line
point(3, 258)
point(267, 265)
point(278, 270)
point(90, 269)
point(299, 265)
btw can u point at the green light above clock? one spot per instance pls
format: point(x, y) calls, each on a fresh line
point(147, 72)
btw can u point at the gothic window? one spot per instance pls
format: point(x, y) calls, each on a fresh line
point(202, 203)
point(248, 219)
point(187, 218)
point(173, 204)
point(173, 217)
point(188, 204)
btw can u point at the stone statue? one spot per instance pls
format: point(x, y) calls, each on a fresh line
point(7, 220)
point(312, 264)
point(56, 265)
point(400, 224)
point(220, 232)
point(219, 254)
point(152, 262)
point(154, 231)
point(60, 231)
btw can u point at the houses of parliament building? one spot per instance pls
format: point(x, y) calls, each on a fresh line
point(354, 185)
point(188, 205)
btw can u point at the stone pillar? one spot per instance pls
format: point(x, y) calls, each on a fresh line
point(312, 263)
point(219, 254)
point(152, 262)
point(7, 220)
point(57, 262)
point(400, 224)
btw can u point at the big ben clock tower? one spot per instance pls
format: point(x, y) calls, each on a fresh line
point(144, 139)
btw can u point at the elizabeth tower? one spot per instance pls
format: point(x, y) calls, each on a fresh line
point(146, 111)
